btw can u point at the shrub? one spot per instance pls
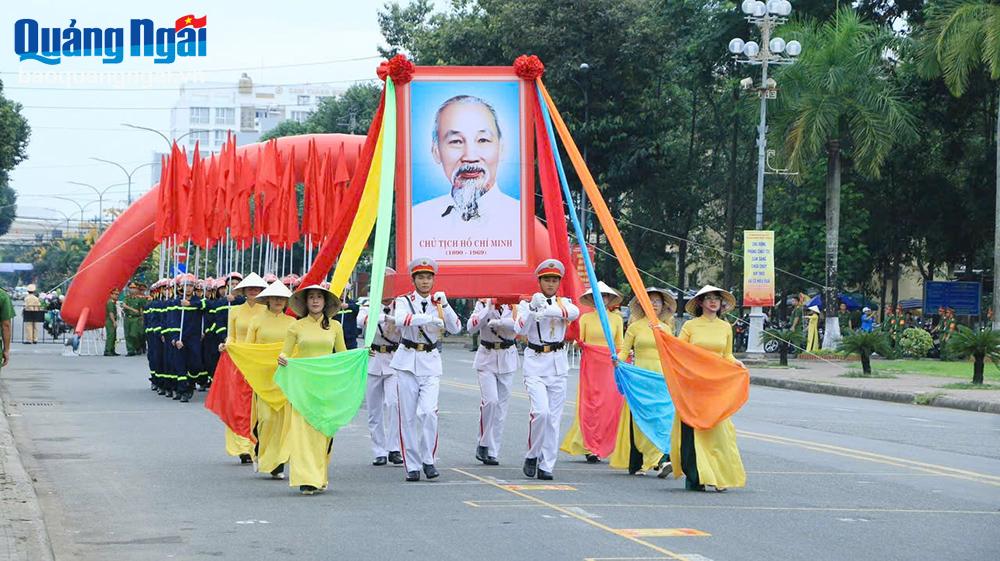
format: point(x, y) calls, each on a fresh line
point(980, 345)
point(916, 343)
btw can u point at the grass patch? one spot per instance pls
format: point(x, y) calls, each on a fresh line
point(858, 373)
point(968, 386)
point(926, 398)
point(943, 369)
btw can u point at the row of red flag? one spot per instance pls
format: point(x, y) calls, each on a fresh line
point(250, 197)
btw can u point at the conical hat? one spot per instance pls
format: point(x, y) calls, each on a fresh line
point(728, 300)
point(276, 288)
point(669, 305)
point(252, 280)
point(298, 301)
point(587, 298)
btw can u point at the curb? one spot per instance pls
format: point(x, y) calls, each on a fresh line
point(880, 395)
point(23, 535)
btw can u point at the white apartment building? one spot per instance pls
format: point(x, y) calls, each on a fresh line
point(205, 112)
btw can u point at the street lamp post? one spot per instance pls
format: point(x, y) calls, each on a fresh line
point(766, 17)
point(163, 136)
point(128, 173)
point(100, 199)
point(74, 201)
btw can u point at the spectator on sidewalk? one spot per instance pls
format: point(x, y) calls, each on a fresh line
point(6, 314)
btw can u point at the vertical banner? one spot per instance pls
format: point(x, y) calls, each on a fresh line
point(758, 268)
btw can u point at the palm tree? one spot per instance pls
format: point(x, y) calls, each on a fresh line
point(980, 345)
point(836, 99)
point(863, 344)
point(959, 35)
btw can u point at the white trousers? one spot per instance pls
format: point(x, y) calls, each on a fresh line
point(382, 399)
point(547, 395)
point(494, 390)
point(418, 418)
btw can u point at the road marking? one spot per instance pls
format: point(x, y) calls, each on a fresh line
point(582, 512)
point(662, 532)
point(516, 503)
point(562, 510)
point(533, 487)
point(877, 458)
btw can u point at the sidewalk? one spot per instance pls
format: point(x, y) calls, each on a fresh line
point(817, 376)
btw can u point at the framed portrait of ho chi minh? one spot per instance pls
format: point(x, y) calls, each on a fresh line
point(465, 166)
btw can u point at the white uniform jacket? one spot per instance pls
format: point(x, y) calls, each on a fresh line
point(386, 336)
point(413, 314)
point(495, 324)
point(546, 325)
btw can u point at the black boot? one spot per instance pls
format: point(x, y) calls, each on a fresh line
point(430, 471)
point(482, 453)
point(544, 475)
point(413, 475)
point(380, 461)
point(395, 458)
point(530, 467)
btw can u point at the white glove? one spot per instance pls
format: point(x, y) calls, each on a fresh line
point(440, 298)
point(553, 312)
point(538, 302)
point(438, 322)
point(494, 323)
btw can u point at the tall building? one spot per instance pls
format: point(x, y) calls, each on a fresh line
point(205, 112)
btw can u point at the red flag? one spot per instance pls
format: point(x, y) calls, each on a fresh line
point(600, 403)
point(165, 201)
point(339, 186)
point(312, 208)
point(190, 20)
point(181, 176)
point(289, 233)
point(268, 176)
point(230, 397)
point(324, 196)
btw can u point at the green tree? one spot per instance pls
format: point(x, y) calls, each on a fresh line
point(837, 99)
point(960, 36)
point(14, 134)
point(350, 112)
point(863, 344)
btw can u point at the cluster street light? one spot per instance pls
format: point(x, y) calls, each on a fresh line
point(128, 173)
point(100, 199)
point(770, 51)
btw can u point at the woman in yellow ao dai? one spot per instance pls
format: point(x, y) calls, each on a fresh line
point(315, 334)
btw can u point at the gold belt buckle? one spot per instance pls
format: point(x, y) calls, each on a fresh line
point(420, 346)
point(546, 349)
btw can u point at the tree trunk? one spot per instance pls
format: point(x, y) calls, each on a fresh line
point(682, 252)
point(866, 362)
point(977, 368)
point(885, 285)
point(831, 335)
point(895, 285)
point(783, 354)
point(996, 228)
point(727, 262)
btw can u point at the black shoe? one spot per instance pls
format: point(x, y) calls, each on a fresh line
point(690, 486)
point(105, 354)
point(185, 398)
point(161, 391)
point(169, 393)
point(430, 471)
point(203, 388)
point(246, 459)
point(491, 461)
point(482, 453)
point(395, 458)
point(544, 475)
point(593, 459)
point(278, 472)
point(380, 461)
point(177, 396)
point(413, 476)
point(307, 489)
point(530, 467)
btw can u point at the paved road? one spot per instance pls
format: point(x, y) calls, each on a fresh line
point(124, 474)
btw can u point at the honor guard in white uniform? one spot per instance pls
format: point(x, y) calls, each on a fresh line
point(543, 320)
point(422, 319)
point(381, 396)
point(495, 363)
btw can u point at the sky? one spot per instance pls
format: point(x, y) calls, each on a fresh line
point(76, 108)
